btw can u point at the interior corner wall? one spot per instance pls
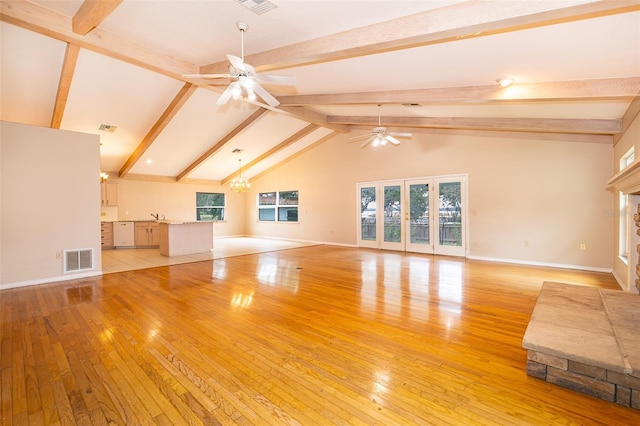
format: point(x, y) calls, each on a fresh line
point(530, 201)
point(49, 202)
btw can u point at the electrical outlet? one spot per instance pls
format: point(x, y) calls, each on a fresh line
point(526, 243)
point(58, 255)
point(583, 246)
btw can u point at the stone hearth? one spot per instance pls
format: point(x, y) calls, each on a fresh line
point(586, 339)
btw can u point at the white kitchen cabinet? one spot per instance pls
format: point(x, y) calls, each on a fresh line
point(109, 193)
point(106, 230)
point(147, 234)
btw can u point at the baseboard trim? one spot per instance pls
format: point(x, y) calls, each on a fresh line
point(547, 264)
point(50, 280)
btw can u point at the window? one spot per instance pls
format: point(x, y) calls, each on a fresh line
point(627, 158)
point(209, 206)
point(623, 250)
point(623, 237)
point(278, 206)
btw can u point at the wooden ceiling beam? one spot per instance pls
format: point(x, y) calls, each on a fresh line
point(632, 112)
point(178, 101)
point(91, 14)
point(459, 21)
point(64, 85)
point(597, 89)
point(503, 134)
point(313, 117)
point(33, 17)
point(222, 142)
point(554, 125)
point(282, 145)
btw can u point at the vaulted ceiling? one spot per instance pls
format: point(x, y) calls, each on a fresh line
point(424, 66)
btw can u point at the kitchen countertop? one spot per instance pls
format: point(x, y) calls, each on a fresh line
point(167, 221)
point(183, 222)
point(130, 220)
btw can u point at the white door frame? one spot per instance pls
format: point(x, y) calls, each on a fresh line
point(434, 246)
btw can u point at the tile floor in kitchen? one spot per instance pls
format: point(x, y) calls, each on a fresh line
point(119, 260)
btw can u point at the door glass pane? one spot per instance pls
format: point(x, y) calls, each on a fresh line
point(450, 231)
point(419, 213)
point(392, 213)
point(368, 213)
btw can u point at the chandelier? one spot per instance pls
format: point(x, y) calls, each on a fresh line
point(238, 184)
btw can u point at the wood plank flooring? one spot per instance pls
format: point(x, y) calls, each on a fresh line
point(307, 336)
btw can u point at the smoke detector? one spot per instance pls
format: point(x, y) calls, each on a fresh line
point(257, 6)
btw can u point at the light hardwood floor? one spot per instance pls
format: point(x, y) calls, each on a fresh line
point(312, 336)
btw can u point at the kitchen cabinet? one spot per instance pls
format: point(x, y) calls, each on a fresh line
point(106, 231)
point(147, 234)
point(109, 193)
point(180, 238)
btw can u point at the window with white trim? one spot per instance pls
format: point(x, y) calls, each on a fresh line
point(623, 236)
point(209, 206)
point(627, 158)
point(279, 206)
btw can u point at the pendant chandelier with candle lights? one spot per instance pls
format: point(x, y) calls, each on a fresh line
point(239, 184)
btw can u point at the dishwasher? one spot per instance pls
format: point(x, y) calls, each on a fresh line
point(123, 234)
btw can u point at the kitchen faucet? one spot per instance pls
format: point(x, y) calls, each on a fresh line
point(156, 216)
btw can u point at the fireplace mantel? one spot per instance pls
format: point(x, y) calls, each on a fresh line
point(627, 180)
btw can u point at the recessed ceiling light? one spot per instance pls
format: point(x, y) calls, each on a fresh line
point(505, 82)
point(149, 161)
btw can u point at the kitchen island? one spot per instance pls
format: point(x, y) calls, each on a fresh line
point(179, 238)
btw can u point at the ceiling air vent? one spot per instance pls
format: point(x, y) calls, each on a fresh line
point(107, 128)
point(257, 6)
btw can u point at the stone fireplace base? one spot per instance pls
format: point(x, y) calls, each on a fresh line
point(586, 339)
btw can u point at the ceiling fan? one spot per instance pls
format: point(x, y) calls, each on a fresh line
point(380, 136)
point(246, 82)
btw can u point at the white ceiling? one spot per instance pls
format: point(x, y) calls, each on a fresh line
point(121, 85)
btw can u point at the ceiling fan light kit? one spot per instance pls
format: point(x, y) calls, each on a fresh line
point(246, 80)
point(379, 136)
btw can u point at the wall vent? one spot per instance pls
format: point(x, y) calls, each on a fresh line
point(78, 260)
point(257, 6)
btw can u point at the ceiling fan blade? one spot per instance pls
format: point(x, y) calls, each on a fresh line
point(367, 142)
point(266, 96)
point(401, 135)
point(226, 95)
point(237, 63)
point(276, 79)
point(392, 140)
point(206, 75)
point(355, 138)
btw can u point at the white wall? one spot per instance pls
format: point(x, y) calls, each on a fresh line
point(49, 202)
point(137, 200)
point(549, 193)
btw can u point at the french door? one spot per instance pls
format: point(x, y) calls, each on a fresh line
point(417, 215)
